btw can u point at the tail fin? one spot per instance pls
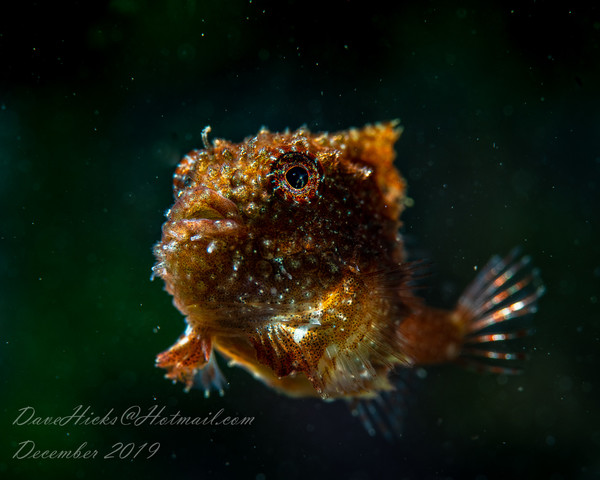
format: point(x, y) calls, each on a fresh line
point(506, 289)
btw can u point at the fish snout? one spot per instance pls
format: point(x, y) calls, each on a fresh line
point(202, 214)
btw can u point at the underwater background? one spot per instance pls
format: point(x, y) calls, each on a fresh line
point(99, 101)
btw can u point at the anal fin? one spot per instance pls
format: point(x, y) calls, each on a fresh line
point(385, 413)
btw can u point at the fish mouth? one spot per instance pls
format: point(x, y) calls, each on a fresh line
point(202, 214)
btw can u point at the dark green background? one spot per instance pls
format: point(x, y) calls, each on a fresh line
point(98, 102)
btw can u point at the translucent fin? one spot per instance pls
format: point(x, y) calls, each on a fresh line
point(506, 289)
point(385, 413)
point(210, 378)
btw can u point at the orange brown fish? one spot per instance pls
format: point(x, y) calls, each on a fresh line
point(284, 254)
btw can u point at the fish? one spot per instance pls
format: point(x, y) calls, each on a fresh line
point(285, 255)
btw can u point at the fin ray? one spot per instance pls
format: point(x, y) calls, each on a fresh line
point(506, 291)
point(385, 413)
point(210, 377)
point(498, 337)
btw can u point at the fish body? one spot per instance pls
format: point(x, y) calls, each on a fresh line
point(284, 254)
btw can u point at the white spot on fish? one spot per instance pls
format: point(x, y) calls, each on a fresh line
point(212, 246)
point(300, 332)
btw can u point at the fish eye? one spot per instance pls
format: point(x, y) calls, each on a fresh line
point(296, 176)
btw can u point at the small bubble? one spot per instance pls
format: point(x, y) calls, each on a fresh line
point(252, 209)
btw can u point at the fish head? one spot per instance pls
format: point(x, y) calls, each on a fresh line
point(278, 219)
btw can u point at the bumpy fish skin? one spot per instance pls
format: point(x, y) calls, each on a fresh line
point(284, 254)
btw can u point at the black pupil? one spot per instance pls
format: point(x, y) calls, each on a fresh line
point(297, 177)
